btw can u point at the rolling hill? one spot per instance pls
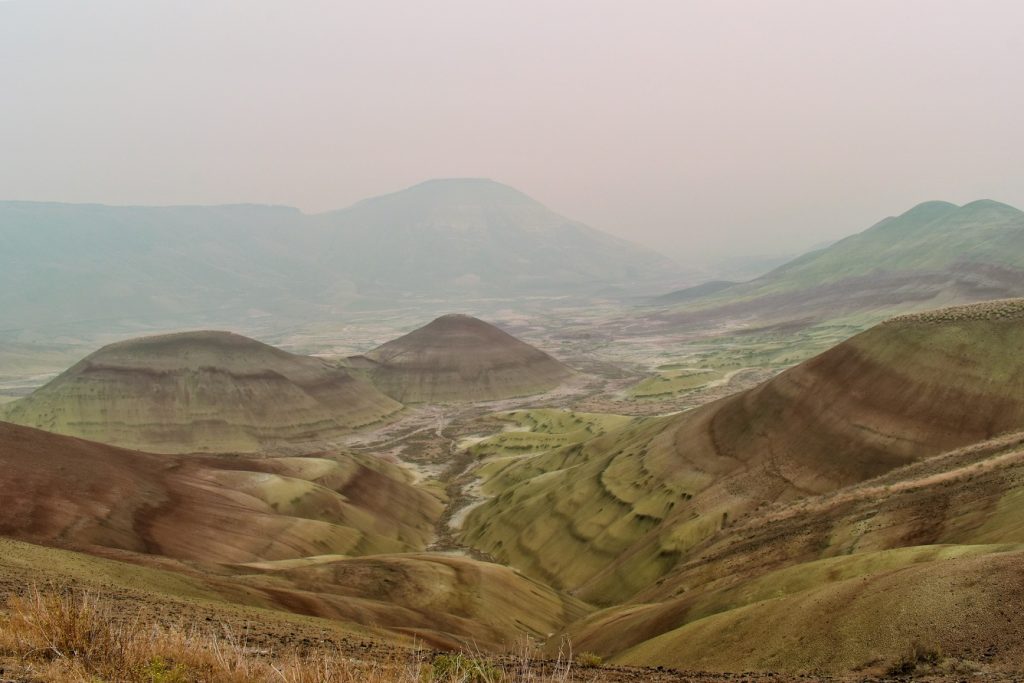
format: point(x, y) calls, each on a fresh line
point(925, 553)
point(860, 512)
point(210, 508)
point(333, 535)
point(201, 391)
point(459, 358)
point(610, 517)
point(935, 254)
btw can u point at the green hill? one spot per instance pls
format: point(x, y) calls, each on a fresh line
point(609, 517)
point(935, 254)
point(201, 391)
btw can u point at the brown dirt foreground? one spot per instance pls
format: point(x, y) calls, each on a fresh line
point(133, 629)
point(61, 635)
point(58, 634)
point(68, 635)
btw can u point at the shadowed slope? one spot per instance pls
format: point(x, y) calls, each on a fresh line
point(446, 600)
point(211, 509)
point(461, 358)
point(201, 391)
point(611, 516)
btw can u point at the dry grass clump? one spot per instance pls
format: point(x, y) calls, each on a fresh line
point(1002, 309)
point(69, 636)
point(917, 656)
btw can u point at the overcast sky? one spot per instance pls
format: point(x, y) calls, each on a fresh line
point(694, 127)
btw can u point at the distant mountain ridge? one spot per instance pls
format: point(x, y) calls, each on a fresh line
point(937, 253)
point(189, 265)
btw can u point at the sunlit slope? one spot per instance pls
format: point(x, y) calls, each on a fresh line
point(609, 517)
point(207, 509)
point(201, 391)
point(330, 536)
point(927, 238)
point(962, 608)
point(461, 358)
point(927, 553)
point(933, 255)
point(416, 599)
point(540, 429)
point(154, 594)
point(443, 599)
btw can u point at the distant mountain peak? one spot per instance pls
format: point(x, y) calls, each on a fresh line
point(928, 210)
point(988, 205)
point(442, 193)
point(467, 182)
point(938, 209)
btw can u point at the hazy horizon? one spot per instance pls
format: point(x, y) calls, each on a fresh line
point(699, 129)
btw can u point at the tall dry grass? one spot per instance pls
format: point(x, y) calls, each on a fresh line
point(66, 635)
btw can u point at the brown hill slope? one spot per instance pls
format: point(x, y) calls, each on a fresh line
point(610, 517)
point(201, 391)
point(461, 358)
point(211, 509)
point(283, 533)
point(445, 600)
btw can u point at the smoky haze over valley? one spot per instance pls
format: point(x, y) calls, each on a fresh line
point(511, 341)
point(704, 130)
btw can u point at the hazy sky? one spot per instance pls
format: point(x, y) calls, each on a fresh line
point(689, 126)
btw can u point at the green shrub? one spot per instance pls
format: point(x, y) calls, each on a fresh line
point(588, 660)
point(458, 668)
point(159, 670)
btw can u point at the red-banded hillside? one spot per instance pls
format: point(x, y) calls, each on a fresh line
point(201, 391)
point(461, 358)
point(610, 517)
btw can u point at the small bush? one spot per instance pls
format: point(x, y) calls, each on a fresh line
point(458, 668)
point(915, 656)
point(159, 670)
point(588, 660)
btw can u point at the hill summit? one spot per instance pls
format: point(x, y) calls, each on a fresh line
point(200, 391)
point(461, 358)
